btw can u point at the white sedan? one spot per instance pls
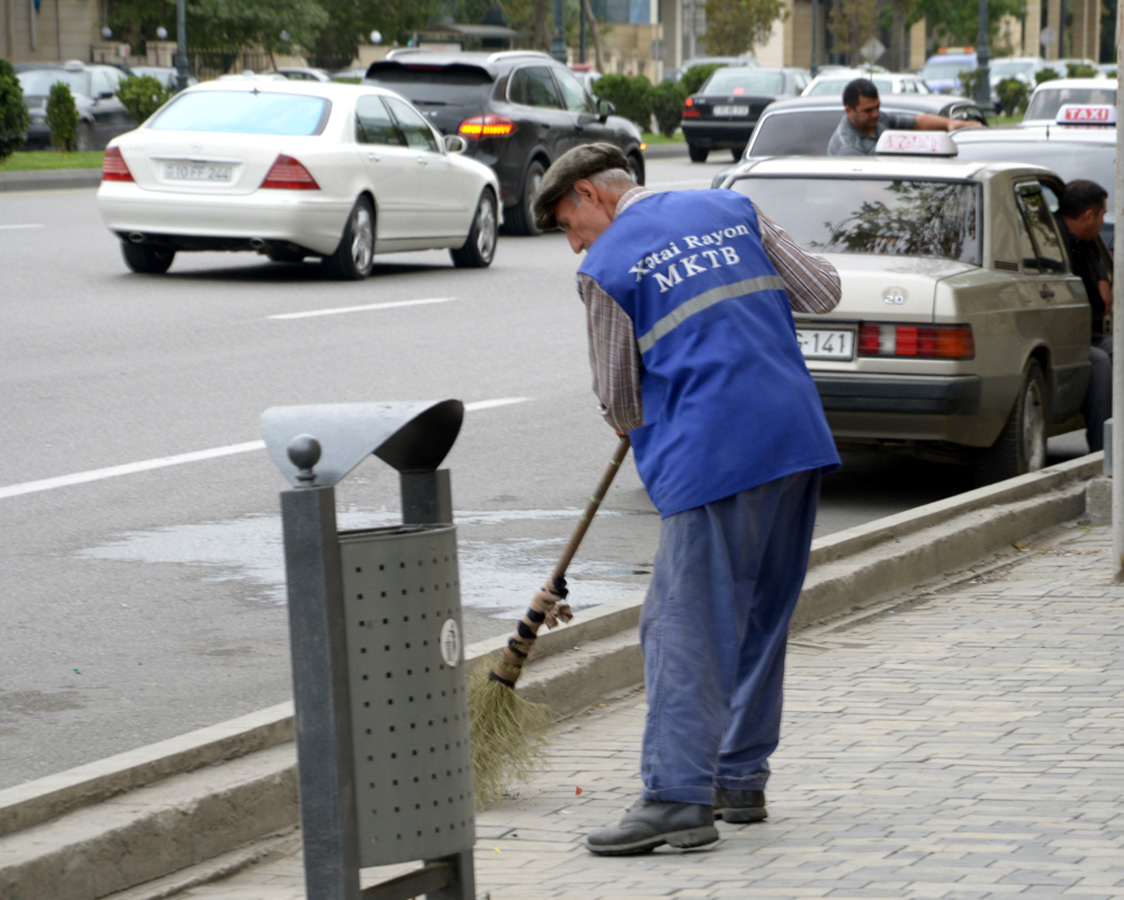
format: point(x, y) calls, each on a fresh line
point(292, 169)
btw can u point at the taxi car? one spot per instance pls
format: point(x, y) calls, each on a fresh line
point(1080, 143)
point(1051, 96)
point(962, 334)
point(291, 169)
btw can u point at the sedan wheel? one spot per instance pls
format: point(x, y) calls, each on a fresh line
point(355, 255)
point(697, 153)
point(146, 258)
point(480, 247)
point(1021, 446)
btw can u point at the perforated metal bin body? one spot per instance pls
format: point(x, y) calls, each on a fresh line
point(409, 701)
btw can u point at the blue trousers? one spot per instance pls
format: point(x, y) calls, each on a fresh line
point(713, 630)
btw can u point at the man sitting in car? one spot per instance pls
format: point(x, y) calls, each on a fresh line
point(863, 121)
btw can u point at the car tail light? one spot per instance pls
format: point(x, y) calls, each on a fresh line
point(689, 111)
point(113, 166)
point(490, 125)
point(286, 174)
point(927, 341)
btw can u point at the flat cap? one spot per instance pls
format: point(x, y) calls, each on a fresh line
point(573, 165)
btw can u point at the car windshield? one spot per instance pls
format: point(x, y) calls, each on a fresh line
point(244, 112)
point(37, 82)
point(890, 217)
point(1046, 103)
point(836, 85)
point(744, 81)
point(1005, 68)
point(798, 134)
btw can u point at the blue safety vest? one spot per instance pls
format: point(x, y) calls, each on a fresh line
point(728, 401)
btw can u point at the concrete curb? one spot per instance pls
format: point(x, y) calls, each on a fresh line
point(50, 179)
point(120, 822)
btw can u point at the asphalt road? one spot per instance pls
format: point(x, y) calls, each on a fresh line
point(141, 581)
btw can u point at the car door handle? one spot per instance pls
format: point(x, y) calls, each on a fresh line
point(422, 161)
point(1046, 292)
point(374, 157)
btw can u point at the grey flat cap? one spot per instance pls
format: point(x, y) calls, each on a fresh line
point(571, 166)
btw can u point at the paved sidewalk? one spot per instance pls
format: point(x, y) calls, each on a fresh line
point(965, 743)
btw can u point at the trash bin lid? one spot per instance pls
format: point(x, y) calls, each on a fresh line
point(410, 436)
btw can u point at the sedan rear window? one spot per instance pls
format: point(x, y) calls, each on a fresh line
point(802, 134)
point(891, 217)
point(244, 112)
point(727, 81)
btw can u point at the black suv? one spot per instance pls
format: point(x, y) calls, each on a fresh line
point(517, 110)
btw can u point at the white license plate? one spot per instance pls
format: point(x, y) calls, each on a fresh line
point(197, 172)
point(826, 343)
point(731, 110)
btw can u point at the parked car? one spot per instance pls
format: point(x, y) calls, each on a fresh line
point(101, 115)
point(724, 112)
point(302, 73)
point(677, 74)
point(942, 70)
point(1081, 143)
point(1021, 68)
point(833, 82)
point(962, 335)
point(167, 75)
point(1050, 96)
point(292, 169)
point(802, 126)
point(518, 111)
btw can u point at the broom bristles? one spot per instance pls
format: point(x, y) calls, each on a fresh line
point(507, 732)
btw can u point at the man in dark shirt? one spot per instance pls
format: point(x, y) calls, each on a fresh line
point(1081, 212)
point(863, 121)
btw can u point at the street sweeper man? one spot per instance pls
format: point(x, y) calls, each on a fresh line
point(689, 298)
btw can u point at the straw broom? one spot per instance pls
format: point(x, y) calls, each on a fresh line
point(507, 730)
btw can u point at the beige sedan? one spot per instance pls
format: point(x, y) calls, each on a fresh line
point(962, 334)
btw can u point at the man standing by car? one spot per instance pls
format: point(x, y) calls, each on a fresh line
point(689, 299)
point(863, 121)
point(1081, 211)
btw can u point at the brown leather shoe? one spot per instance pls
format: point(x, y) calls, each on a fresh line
point(649, 823)
point(738, 807)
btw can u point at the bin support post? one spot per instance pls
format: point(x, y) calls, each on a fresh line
point(427, 498)
point(320, 694)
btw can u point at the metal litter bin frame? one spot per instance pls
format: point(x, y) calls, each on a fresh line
point(315, 447)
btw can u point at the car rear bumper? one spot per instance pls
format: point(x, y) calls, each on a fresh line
point(722, 135)
point(191, 221)
point(932, 396)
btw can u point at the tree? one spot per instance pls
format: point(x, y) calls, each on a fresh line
point(957, 22)
point(734, 27)
point(852, 23)
point(62, 117)
point(14, 118)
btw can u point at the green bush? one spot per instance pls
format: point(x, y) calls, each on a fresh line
point(143, 95)
point(62, 117)
point(970, 82)
point(632, 95)
point(694, 77)
point(1080, 70)
point(667, 106)
point(1046, 74)
point(1013, 95)
point(13, 112)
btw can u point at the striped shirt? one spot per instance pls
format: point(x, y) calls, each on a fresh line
point(811, 282)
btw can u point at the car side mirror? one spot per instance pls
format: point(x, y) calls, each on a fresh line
point(454, 143)
point(605, 109)
point(105, 95)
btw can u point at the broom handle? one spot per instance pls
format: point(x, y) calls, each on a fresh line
point(591, 508)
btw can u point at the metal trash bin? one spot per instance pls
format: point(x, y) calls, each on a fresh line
point(379, 685)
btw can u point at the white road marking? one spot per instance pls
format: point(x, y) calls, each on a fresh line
point(14, 227)
point(162, 462)
point(373, 306)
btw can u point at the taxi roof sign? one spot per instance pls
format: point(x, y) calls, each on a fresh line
point(916, 143)
point(1086, 114)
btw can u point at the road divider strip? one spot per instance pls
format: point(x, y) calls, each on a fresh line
point(163, 462)
point(340, 310)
